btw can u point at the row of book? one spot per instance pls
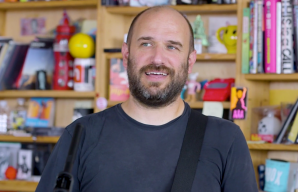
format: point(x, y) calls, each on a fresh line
point(269, 39)
point(20, 63)
point(137, 3)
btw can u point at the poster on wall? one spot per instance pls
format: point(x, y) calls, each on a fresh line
point(33, 26)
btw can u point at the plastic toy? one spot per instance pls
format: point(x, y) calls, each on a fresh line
point(218, 89)
point(81, 45)
point(269, 125)
point(11, 173)
point(199, 30)
point(193, 87)
point(229, 37)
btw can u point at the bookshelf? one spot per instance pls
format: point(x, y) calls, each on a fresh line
point(47, 4)
point(272, 77)
point(18, 185)
point(25, 139)
point(46, 93)
point(113, 22)
point(273, 147)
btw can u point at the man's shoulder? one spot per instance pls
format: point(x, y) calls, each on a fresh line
point(92, 123)
point(223, 126)
point(221, 133)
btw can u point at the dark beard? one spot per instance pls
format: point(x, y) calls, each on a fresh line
point(162, 97)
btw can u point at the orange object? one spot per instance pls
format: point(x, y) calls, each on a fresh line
point(11, 172)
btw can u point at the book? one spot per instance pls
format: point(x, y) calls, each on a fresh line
point(245, 40)
point(252, 64)
point(287, 52)
point(119, 90)
point(286, 126)
point(12, 64)
point(259, 52)
point(40, 57)
point(270, 36)
point(40, 112)
point(278, 37)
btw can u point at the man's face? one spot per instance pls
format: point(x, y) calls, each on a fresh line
point(158, 58)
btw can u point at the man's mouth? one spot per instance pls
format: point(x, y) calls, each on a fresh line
point(156, 73)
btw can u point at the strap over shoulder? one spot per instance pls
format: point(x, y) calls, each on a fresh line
point(190, 152)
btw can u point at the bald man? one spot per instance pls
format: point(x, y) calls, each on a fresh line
point(134, 146)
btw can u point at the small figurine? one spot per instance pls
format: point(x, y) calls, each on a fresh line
point(193, 87)
point(199, 30)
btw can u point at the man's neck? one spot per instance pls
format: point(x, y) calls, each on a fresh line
point(151, 116)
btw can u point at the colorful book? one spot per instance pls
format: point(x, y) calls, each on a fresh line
point(245, 41)
point(259, 61)
point(119, 90)
point(40, 112)
point(270, 36)
point(287, 52)
point(252, 64)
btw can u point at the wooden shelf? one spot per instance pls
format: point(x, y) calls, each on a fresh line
point(46, 93)
point(200, 57)
point(48, 4)
point(273, 147)
point(208, 8)
point(272, 77)
point(24, 139)
point(18, 185)
point(196, 105)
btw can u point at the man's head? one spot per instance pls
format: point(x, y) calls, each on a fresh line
point(158, 56)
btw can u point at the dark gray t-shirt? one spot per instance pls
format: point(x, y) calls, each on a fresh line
point(119, 154)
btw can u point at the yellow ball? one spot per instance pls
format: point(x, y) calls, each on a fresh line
point(81, 45)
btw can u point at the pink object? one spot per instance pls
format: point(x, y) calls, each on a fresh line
point(270, 35)
point(101, 103)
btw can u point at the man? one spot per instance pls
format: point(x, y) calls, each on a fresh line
point(135, 146)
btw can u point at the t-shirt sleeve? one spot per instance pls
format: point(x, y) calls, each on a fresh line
point(239, 173)
point(56, 164)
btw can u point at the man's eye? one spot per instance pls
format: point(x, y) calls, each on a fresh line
point(172, 47)
point(146, 44)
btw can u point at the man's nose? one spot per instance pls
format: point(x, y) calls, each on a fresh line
point(158, 55)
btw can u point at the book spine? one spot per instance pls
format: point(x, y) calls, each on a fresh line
point(252, 68)
point(245, 41)
point(278, 37)
point(286, 125)
point(287, 54)
point(295, 19)
point(270, 35)
point(260, 36)
point(292, 136)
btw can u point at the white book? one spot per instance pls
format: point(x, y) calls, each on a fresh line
point(287, 52)
point(278, 37)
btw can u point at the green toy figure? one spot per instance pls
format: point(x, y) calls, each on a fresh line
point(199, 30)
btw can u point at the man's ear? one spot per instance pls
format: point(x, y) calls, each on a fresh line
point(125, 54)
point(192, 58)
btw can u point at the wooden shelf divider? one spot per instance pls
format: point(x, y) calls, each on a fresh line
point(200, 57)
point(29, 139)
point(273, 147)
point(46, 93)
point(272, 77)
point(207, 8)
point(48, 4)
point(18, 185)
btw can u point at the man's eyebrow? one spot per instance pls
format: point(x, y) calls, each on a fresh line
point(175, 43)
point(145, 38)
